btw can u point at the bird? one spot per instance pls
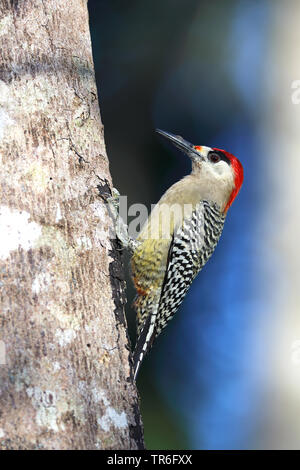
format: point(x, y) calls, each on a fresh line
point(179, 237)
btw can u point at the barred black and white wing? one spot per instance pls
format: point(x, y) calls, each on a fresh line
point(191, 246)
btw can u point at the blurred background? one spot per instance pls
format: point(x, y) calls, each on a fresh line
point(225, 374)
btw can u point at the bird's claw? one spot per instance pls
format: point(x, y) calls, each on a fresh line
point(121, 229)
point(113, 203)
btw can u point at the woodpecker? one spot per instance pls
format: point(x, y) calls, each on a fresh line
point(179, 237)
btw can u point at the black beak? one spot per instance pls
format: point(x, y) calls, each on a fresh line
point(180, 143)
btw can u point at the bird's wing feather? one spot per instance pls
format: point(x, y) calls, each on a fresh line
point(191, 246)
point(187, 255)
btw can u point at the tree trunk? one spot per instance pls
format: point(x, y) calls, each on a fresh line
point(65, 378)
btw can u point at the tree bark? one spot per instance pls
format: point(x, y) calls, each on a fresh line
point(66, 381)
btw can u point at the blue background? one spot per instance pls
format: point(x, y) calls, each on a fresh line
point(194, 68)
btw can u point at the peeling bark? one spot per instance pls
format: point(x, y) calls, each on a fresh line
point(66, 381)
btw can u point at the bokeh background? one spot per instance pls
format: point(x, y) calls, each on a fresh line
point(225, 374)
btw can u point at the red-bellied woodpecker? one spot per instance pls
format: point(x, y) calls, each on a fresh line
point(179, 237)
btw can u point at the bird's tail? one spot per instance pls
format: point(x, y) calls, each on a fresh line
point(146, 331)
point(143, 344)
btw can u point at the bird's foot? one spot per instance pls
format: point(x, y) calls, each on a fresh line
point(121, 229)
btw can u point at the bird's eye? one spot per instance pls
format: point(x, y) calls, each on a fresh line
point(214, 157)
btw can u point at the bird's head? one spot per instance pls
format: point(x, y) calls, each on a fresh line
point(220, 168)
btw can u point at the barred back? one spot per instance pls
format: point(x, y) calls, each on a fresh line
point(190, 251)
point(190, 248)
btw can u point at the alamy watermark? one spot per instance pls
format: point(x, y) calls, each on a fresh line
point(295, 97)
point(2, 353)
point(295, 352)
point(163, 220)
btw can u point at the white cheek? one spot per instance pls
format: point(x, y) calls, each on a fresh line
point(222, 170)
